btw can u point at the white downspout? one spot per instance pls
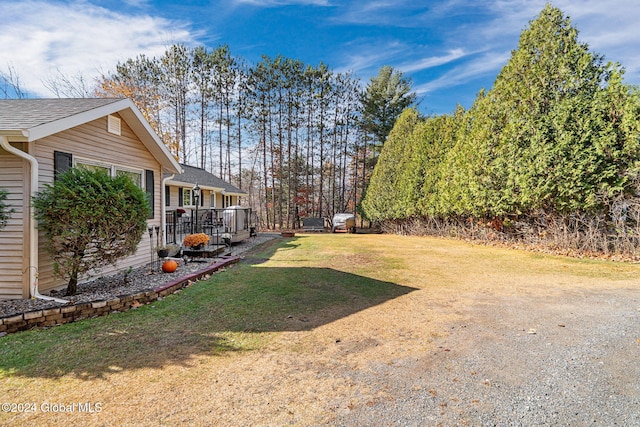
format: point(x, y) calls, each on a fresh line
point(33, 232)
point(163, 208)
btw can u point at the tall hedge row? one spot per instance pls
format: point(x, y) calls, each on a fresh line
point(558, 133)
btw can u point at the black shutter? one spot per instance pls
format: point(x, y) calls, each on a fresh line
point(62, 162)
point(167, 196)
point(150, 186)
point(180, 197)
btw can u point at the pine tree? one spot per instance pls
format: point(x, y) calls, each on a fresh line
point(383, 100)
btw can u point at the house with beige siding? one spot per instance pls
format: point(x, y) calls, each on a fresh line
point(215, 192)
point(42, 137)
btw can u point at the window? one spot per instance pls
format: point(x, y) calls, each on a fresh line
point(186, 197)
point(93, 166)
point(62, 162)
point(136, 177)
point(134, 174)
point(150, 190)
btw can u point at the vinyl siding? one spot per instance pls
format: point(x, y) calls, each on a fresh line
point(207, 202)
point(13, 250)
point(220, 200)
point(174, 199)
point(92, 141)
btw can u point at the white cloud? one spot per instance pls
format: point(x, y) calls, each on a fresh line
point(39, 37)
point(137, 3)
point(482, 66)
point(433, 61)
point(609, 28)
point(380, 12)
point(369, 55)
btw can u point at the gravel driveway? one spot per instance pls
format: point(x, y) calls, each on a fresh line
point(570, 360)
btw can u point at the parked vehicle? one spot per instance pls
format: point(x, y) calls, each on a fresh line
point(344, 223)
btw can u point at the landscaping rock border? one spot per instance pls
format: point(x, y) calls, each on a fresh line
point(70, 313)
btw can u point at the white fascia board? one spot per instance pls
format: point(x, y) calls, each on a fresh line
point(14, 135)
point(192, 184)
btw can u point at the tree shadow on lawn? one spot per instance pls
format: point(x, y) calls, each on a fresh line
point(229, 312)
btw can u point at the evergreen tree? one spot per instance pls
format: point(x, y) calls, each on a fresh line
point(557, 134)
point(384, 196)
point(434, 139)
point(543, 124)
point(383, 100)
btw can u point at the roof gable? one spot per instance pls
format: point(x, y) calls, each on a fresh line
point(34, 119)
point(192, 175)
point(22, 114)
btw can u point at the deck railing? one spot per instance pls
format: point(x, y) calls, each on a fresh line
point(214, 222)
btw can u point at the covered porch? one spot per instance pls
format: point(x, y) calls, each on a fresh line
point(224, 226)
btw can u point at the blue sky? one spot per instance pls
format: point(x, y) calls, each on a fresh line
point(449, 48)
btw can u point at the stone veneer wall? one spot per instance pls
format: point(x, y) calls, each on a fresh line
point(71, 313)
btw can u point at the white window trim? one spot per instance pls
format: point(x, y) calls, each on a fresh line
point(113, 168)
point(187, 191)
point(81, 161)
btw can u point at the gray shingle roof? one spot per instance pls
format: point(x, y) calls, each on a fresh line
point(17, 114)
point(193, 175)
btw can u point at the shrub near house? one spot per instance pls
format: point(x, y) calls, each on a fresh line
point(90, 220)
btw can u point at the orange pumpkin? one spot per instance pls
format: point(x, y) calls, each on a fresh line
point(169, 266)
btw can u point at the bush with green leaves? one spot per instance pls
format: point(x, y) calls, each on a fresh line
point(5, 211)
point(90, 220)
point(557, 136)
point(558, 133)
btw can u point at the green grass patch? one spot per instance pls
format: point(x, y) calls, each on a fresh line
point(284, 285)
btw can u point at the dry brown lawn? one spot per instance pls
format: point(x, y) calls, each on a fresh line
point(310, 370)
